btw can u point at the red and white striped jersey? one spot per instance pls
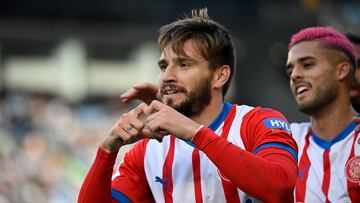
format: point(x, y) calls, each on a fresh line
point(176, 171)
point(329, 171)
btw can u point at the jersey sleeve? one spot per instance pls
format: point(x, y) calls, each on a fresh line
point(131, 183)
point(267, 173)
point(262, 127)
point(97, 184)
point(129, 186)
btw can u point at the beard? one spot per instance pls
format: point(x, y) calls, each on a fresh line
point(324, 96)
point(196, 100)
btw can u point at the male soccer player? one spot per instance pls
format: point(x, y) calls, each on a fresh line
point(355, 90)
point(214, 151)
point(321, 64)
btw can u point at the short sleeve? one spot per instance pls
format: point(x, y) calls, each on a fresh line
point(263, 127)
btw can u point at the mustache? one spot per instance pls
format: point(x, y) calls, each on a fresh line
point(169, 86)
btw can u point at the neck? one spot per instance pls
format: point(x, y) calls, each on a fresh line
point(210, 112)
point(333, 118)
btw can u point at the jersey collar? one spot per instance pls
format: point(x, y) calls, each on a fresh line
point(218, 120)
point(327, 144)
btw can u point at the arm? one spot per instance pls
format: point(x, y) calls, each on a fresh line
point(128, 129)
point(145, 92)
point(129, 185)
point(270, 174)
point(97, 184)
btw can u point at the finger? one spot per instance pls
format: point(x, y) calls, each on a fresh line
point(162, 132)
point(121, 134)
point(128, 95)
point(154, 107)
point(127, 122)
point(156, 122)
point(144, 86)
point(135, 123)
point(147, 87)
point(146, 133)
point(356, 120)
point(153, 135)
point(143, 119)
point(141, 108)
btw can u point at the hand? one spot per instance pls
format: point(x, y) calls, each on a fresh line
point(164, 118)
point(128, 129)
point(357, 121)
point(145, 92)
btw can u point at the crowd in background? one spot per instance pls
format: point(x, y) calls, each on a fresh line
point(47, 145)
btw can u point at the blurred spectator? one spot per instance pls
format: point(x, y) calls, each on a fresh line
point(355, 91)
point(40, 137)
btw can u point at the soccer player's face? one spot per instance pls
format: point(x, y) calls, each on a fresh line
point(312, 77)
point(185, 80)
point(355, 90)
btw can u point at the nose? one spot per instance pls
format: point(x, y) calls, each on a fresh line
point(295, 74)
point(169, 74)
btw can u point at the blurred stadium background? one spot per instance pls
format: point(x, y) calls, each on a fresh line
point(63, 65)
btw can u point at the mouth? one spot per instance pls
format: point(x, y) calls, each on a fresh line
point(171, 90)
point(301, 89)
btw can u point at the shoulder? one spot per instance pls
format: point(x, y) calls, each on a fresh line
point(265, 120)
point(259, 111)
point(268, 117)
point(299, 130)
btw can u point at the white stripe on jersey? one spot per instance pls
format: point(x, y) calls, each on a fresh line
point(339, 155)
point(155, 154)
point(210, 177)
point(182, 173)
point(182, 168)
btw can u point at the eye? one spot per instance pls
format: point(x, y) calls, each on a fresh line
point(184, 65)
point(288, 70)
point(162, 67)
point(308, 65)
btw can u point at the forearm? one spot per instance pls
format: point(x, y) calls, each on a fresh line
point(97, 184)
point(272, 171)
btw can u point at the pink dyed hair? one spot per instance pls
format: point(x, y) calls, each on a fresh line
point(328, 37)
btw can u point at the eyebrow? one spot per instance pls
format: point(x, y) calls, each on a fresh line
point(185, 58)
point(178, 60)
point(161, 61)
point(302, 59)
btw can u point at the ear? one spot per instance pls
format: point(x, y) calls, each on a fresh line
point(343, 70)
point(221, 76)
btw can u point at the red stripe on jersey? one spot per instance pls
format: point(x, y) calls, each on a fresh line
point(353, 188)
point(197, 176)
point(245, 121)
point(304, 166)
point(230, 189)
point(327, 172)
point(167, 172)
point(227, 123)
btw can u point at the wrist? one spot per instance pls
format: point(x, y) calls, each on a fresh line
point(196, 131)
point(110, 145)
point(109, 149)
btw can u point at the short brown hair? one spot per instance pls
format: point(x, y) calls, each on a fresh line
point(216, 44)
